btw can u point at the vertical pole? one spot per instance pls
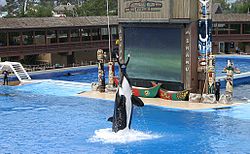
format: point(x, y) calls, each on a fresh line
point(111, 63)
point(110, 59)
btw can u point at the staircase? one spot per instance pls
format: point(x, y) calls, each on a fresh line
point(18, 70)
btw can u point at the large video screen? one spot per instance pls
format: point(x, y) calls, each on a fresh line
point(155, 53)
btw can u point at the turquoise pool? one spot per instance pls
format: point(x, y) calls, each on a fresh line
point(46, 122)
point(241, 62)
point(48, 117)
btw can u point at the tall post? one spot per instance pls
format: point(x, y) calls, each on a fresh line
point(206, 79)
point(101, 73)
point(111, 63)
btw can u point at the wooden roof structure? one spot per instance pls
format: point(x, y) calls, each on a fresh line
point(231, 17)
point(55, 22)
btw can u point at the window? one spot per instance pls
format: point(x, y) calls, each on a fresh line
point(52, 36)
point(63, 36)
point(95, 34)
point(221, 46)
point(246, 28)
point(75, 35)
point(104, 33)
point(40, 37)
point(234, 28)
point(223, 28)
point(85, 34)
point(3, 39)
point(114, 32)
point(28, 38)
point(14, 38)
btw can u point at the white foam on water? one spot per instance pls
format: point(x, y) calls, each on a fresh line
point(122, 136)
point(22, 108)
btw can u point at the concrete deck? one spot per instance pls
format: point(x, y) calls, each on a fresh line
point(159, 102)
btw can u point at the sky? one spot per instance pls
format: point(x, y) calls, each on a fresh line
point(2, 2)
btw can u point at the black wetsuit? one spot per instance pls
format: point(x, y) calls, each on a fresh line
point(217, 90)
point(5, 77)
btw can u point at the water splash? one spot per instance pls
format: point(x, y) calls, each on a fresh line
point(121, 137)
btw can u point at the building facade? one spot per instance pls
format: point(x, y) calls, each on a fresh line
point(161, 38)
point(55, 40)
point(231, 33)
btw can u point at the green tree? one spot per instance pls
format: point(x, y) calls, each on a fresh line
point(241, 6)
point(39, 11)
point(97, 8)
point(224, 4)
point(11, 7)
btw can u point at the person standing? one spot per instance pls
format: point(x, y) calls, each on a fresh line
point(217, 90)
point(5, 77)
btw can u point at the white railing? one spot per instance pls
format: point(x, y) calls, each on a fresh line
point(18, 70)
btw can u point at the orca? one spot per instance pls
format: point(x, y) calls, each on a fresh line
point(124, 100)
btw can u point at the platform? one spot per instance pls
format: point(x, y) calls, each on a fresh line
point(185, 105)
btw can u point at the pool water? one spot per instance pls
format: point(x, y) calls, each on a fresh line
point(38, 123)
point(55, 87)
point(86, 76)
point(242, 88)
point(49, 117)
point(241, 62)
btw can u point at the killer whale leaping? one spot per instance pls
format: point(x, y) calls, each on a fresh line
point(124, 101)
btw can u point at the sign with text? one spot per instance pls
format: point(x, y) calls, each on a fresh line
point(144, 9)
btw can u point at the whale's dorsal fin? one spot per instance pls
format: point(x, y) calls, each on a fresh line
point(110, 119)
point(136, 100)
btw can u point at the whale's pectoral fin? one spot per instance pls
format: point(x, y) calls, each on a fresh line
point(136, 101)
point(110, 119)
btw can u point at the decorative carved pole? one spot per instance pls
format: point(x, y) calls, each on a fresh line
point(205, 47)
point(111, 73)
point(211, 74)
point(101, 74)
point(230, 70)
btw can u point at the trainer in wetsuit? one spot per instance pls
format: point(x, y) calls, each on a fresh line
point(5, 77)
point(217, 90)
